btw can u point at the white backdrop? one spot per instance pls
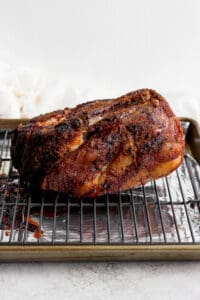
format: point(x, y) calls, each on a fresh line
point(113, 46)
point(103, 49)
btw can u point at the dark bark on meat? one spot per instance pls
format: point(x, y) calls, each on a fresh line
point(100, 147)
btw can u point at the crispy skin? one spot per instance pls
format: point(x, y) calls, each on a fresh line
point(100, 147)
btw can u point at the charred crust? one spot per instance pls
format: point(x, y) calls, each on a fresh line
point(68, 126)
point(62, 127)
point(75, 123)
point(153, 145)
point(106, 186)
point(125, 136)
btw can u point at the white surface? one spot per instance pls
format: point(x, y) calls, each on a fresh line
point(100, 49)
point(100, 281)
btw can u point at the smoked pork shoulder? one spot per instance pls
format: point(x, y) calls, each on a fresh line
point(100, 147)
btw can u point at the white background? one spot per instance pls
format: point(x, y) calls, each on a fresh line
point(119, 45)
point(103, 49)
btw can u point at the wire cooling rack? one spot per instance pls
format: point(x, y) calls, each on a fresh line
point(165, 211)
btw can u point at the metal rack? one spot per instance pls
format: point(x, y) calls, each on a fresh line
point(163, 212)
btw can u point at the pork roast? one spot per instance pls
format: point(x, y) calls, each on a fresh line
point(100, 147)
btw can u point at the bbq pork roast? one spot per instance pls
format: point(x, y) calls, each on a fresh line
point(100, 147)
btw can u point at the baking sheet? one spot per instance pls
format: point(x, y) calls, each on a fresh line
point(178, 206)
